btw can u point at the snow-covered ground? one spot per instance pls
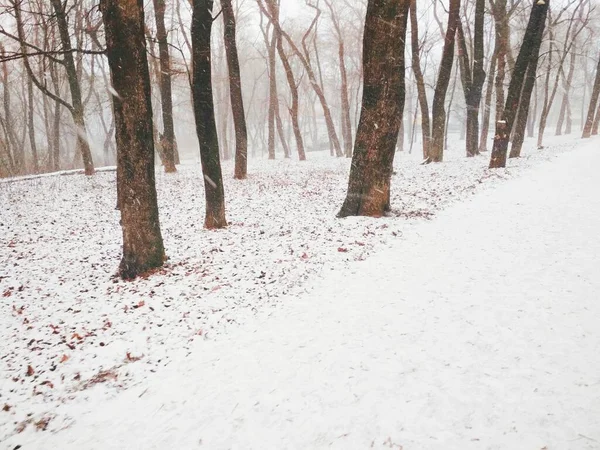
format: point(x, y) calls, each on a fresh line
point(477, 329)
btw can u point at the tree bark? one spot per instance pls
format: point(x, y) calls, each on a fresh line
point(438, 131)
point(168, 136)
point(382, 105)
point(528, 55)
point(204, 114)
point(143, 248)
point(416, 66)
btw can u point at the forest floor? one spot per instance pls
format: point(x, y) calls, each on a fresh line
point(477, 329)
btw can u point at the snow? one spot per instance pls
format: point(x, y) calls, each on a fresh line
point(293, 329)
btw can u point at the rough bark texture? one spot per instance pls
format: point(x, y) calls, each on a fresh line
point(438, 111)
point(382, 105)
point(204, 113)
point(416, 66)
point(528, 54)
point(235, 89)
point(273, 97)
point(589, 122)
point(168, 140)
point(126, 51)
point(78, 112)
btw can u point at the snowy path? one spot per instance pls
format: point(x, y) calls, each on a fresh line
point(477, 330)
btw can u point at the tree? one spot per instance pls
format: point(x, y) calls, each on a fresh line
point(420, 80)
point(438, 111)
point(168, 137)
point(382, 105)
point(473, 76)
point(204, 114)
point(76, 107)
point(143, 248)
point(527, 60)
point(589, 122)
point(235, 87)
point(344, 101)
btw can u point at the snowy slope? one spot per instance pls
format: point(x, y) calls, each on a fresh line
point(437, 342)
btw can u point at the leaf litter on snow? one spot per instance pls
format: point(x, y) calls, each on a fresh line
point(69, 326)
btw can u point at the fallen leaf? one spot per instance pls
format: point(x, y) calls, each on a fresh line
point(64, 358)
point(342, 250)
point(30, 371)
point(6, 407)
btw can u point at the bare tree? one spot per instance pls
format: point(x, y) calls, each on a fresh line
point(589, 122)
point(235, 86)
point(204, 113)
point(473, 76)
point(525, 66)
point(438, 131)
point(167, 142)
point(382, 105)
point(143, 248)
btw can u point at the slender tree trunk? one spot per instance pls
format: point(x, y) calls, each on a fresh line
point(168, 137)
point(416, 66)
point(473, 78)
point(382, 105)
point(528, 55)
point(143, 248)
point(436, 150)
point(589, 122)
point(78, 112)
point(31, 127)
point(273, 99)
point(488, 107)
point(289, 73)
point(567, 89)
point(204, 113)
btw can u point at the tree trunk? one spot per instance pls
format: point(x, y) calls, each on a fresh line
point(83, 144)
point(204, 114)
point(344, 99)
point(168, 137)
point(273, 98)
point(589, 122)
point(567, 89)
point(528, 55)
point(289, 73)
point(488, 107)
point(143, 248)
point(438, 131)
point(382, 105)
point(30, 125)
point(416, 66)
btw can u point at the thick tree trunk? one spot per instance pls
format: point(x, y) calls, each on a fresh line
point(168, 137)
point(126, 51)
point(83, 144)
point(204, 114)
point(528, 55)
point(382, 105)
point(438, 131)
point(416, 66)
point(589, 122)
